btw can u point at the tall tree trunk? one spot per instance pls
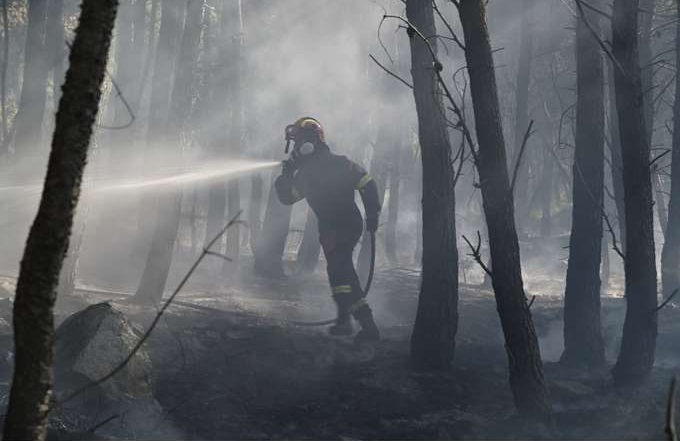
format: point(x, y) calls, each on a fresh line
point(640, 327)
point(170, 201)
point(378, 169)
point(29, 401)
point(434, 332)
point(236, 130)
point(646, 19)
point(310, 247)
point(29, 119)
point(272, 243)
point(522, 113)
point(547, 192)
point(56, 38)
point(616, 158)
point(583, 343)
point(526, 369)
point(255, 210)
point(393, 205)
point(3, 77)
point(670, 255)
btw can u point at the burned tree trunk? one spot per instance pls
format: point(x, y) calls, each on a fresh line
point(583, 343)
point(616, 158)
point(56, 38)
point(393, 206)
point(640, 327)
point(526, 369)
point(434, 332)
point(522, 113)
point(272, 242)
point(49, 235)
point(236, 130)
point(28, 123)
point(168, 213)
point(670, 256)
point(310, 247)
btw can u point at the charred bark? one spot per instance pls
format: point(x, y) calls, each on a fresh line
point(583, 343)
point(526, 369)
point(670, 255)
point(48, 239)
point(640, 327)
point(434, 331)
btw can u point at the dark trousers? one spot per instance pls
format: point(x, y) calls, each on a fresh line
point(338, 246)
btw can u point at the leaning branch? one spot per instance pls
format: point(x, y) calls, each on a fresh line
point(518, 162)
point(390, 73)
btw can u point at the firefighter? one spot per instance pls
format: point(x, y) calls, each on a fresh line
point(328, 182)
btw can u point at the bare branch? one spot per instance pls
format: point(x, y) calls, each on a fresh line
point(476, 255)
point(389, 72)
point(518, 162)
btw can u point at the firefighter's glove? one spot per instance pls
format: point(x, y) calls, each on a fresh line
point(289, 168)
point(371, 224)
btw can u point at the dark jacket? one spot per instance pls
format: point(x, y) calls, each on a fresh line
point(328, 182)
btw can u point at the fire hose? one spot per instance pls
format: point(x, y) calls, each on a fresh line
point(371, 270)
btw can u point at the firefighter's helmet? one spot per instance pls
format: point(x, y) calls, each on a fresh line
point(305, 129)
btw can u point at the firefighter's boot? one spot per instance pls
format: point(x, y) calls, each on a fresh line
point(343, 324)
point(369, 331)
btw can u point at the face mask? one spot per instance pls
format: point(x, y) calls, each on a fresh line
point(306, 149)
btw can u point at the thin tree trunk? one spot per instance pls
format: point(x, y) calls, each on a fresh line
point(522, 113)
point(526, 369)
point(236, 131)
point(640, 327)
point(378, 169)
point(56, 38)
point(547, 193)
point(168, 218)
point(28, 122)
point(583, 343)
point(616, 158)
point(434, 332)
point(255, 210)
point(29, 401)
point(670, 255)
point(393, 206)
point(272, 243)
point(3, 76)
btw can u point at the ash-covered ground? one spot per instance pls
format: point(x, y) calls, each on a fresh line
point(234, 367)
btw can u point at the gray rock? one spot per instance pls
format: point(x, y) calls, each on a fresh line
point(90, 344)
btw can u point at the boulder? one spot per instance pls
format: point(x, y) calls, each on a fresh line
point(90, 344)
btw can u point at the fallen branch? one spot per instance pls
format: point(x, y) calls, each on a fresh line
point(158, 316)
